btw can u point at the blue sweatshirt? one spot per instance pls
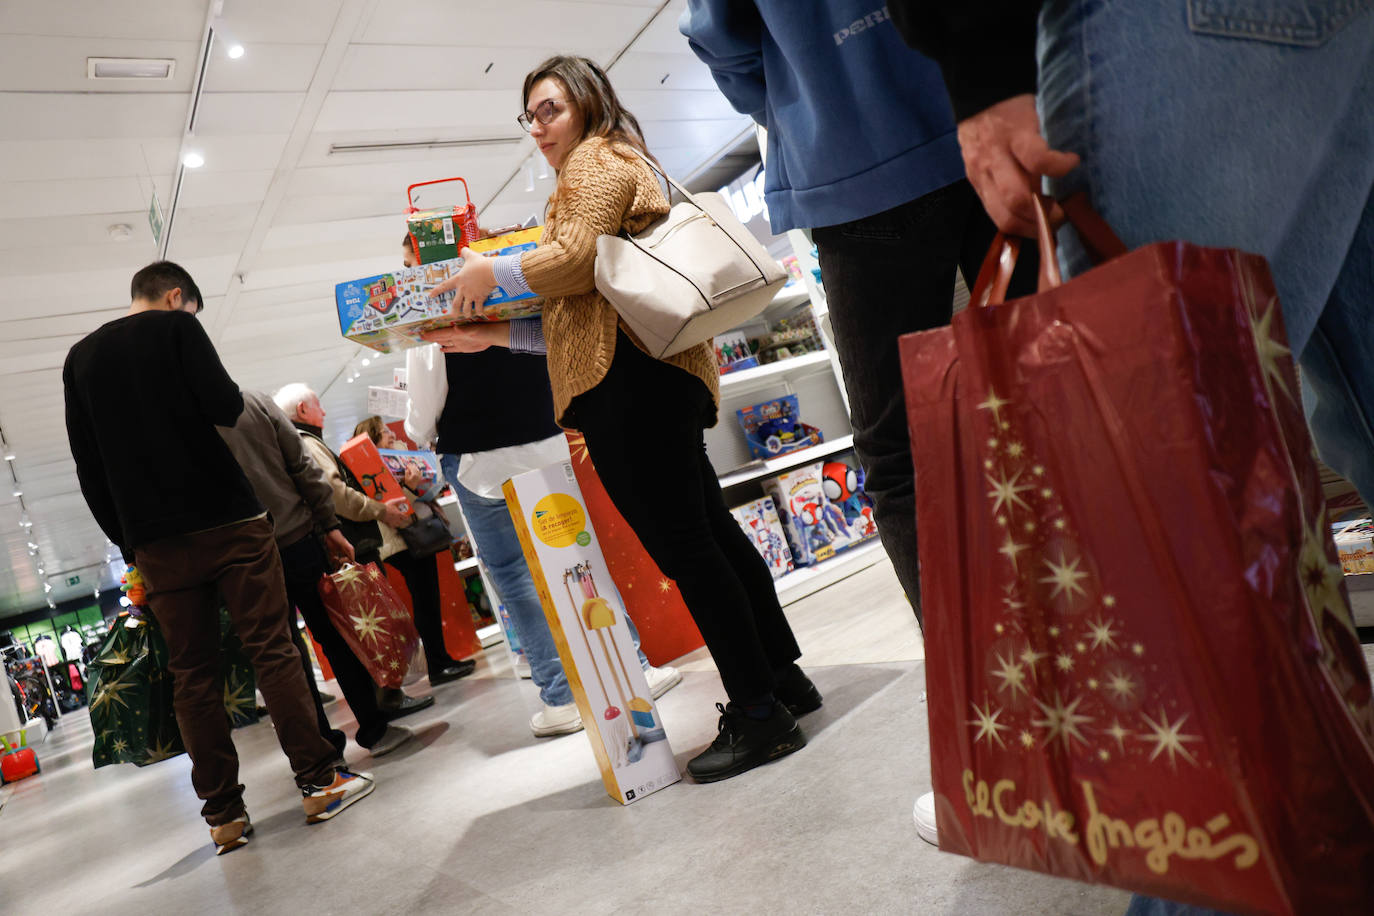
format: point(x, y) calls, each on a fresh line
point(858, 123)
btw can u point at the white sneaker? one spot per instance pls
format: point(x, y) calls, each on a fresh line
point(662, 680)
point(556, 720)
point(522, 669)
point(924, 814)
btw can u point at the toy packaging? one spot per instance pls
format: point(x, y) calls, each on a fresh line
point(761, 523)
point(587, 618)
point(844, 487)
point(390, 311)
point(1355, 544)
point(815, 527)
point(733, 352)
point(427, 463)
point(440, 235)
point(772, 428)
point(361, 456)
point(387, 402)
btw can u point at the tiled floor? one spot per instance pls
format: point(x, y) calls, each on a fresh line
point(479, 817)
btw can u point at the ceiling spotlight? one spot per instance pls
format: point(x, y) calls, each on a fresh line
point(366, 362)
point(17, 493)
point(349, 380)
point(40, 571)
point(235, 52)
point(9, 456)
point(193, 160)
point(47, 586)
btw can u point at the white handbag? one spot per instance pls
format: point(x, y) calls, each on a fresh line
point(689, 276)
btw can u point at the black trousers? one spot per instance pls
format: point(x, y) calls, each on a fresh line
point(887, 275)
point(422, 581)
point(671, 497)
point(304, 563)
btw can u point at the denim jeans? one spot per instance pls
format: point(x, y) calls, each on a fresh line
point(1238, 124)
point(494, 538)
point(1256, 135)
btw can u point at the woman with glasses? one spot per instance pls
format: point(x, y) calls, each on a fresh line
point(609, 388)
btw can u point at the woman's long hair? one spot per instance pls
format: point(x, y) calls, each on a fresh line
point(590, 90)
point(373, 426)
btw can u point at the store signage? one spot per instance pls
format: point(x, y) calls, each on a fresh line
point(746, 198)
point(73, 580)
point(155, 219)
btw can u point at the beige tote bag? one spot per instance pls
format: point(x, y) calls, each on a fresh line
point(689, 276)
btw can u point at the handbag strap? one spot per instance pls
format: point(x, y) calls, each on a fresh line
point(658, 170)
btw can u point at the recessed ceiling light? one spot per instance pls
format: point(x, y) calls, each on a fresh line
point(235, 52)
point(120, 232)
point(366, 362)
point(17, 493)
point(129, 68)
point(349, 380)
point(193, 160)
point(9, 457)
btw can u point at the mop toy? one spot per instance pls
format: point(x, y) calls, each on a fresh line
point(597, 615)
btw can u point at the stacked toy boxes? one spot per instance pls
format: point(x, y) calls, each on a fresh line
point(390, 311)
point(761, 523)
point(817, 525)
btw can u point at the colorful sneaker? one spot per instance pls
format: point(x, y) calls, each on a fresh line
point(556, 720)
point(662, 680)
point(230, 836)
point(323, 802)
point(924, 815)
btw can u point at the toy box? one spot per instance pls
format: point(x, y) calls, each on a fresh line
point(390, 311)
point(733, 352)
point(761, 523)
point(1355, 543)
point(844, 487)
point(772, 428)
point(361, 456)
point(587, 618)
point(815, 527)
point(427, 463)
point(440, 234)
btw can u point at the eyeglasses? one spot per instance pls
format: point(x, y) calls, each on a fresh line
point(544, 113)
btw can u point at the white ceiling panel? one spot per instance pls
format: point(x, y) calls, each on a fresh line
point(321, 208)
point(664, 135)
point(80, 230)
point(35, 63)
point(60, 116)
point(135, 20)
point(212, 189)
point(448, 67)
point(254, 22)
point(240, 113)
point(72, 196)
point(90, 157)
point(663, 70)
point(37, 295)
point(580, 27)
point(429, 109)
point(687, 105)
point(263, 68)
point(52, 258)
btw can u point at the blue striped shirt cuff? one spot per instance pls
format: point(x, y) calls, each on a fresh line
point(509, 276)
point(527, 335)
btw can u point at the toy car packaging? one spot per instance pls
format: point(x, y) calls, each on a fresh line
point(390, 311)
point(442, 234)
point(815, 527)
point(772, 428)
point(362, 457)
point(761, 523)
point(844, 486)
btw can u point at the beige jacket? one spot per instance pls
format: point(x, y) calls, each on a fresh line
point(348, 502)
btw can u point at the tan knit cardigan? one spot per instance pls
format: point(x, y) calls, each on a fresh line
point(600, 192)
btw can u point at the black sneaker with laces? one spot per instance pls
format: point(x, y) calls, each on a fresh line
point(796, 691)
point(743, 743)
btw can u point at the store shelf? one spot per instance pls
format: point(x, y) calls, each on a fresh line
point(446, 501)
point(470, 564)
point(490, 636)
point(789, 297)
point(797, 585)
point(763, 468)
point(807, 362)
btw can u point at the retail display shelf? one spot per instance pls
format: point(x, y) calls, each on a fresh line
point(802, 582)
point(490, 636)
point(464, 565)
point(796, 364)
point(446, 501)
point(763, 468)
point(789, 298)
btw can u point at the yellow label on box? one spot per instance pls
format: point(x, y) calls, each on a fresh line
point(558, 519)
point(496, 242)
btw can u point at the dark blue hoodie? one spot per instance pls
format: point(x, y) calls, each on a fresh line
point(857, 122)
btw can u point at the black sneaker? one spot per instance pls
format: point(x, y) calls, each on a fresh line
point(796, 691)
point(743, 743)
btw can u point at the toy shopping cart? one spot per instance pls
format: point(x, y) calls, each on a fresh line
point(440, 234)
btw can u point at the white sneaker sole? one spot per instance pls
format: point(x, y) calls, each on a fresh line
point(550, 731)
point(926, 830)
point(664, 687)
point(345, 803)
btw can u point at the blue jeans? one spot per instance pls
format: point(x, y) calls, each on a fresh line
point(494, 539)
point(1219, 122)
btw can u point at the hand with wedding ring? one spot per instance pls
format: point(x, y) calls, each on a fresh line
point(470, 286)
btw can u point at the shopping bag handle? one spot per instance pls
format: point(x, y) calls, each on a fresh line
point(1098, 238)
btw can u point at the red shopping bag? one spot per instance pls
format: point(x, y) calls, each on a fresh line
point(372, 619)
point(1141, 664)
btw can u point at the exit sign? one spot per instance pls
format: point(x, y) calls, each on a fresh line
point(73, 580)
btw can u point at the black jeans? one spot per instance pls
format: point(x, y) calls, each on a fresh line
point(669, 494)
point(887, 275)
point(422, 581)
point(304, 563)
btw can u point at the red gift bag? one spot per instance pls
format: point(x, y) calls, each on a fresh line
point(1142, 668)
point(372, 619)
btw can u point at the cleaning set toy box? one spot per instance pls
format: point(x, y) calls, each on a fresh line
point(390, 311)
point(772, 428)
point(823, 508)
point(761, 523)
point(587, 618)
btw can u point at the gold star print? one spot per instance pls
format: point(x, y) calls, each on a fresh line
point(992, 443)
point(1121, 686)
point(379, 658)
point(117, 657)
point(1011, 602)
point(994, 404)
point(111, 692)
point(348, 577)
point(1060, 524)
point(119, 746)
point(1030, 658)
point(1006, 492)
point(1012, 674)
point(665, 585)
point(1029, 526)
point(239, 700)
point(988, 726)
point(367, 625)
point(578, 446)
point(987, 463)
point(1270, 350)
point(1054, 631)
point(395, 665)
point(1065, 576)
point(1321, 578)
point(1093, 683)
point(1064, 662)
point(1062, 721)
point(1080, 647)
point(1167, 738)
point(1102, 633)
point(1027, 739)
point(1109, 601)
point(1015, 449)
point(161, 751)
point(1119, 733)
point(1002, 520)
point(1103, 755)
point(1010, 549)
point(1005, 425)
point(1038, 470)
point(998, 629)
point(1046, 492)
point(1137, 649)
